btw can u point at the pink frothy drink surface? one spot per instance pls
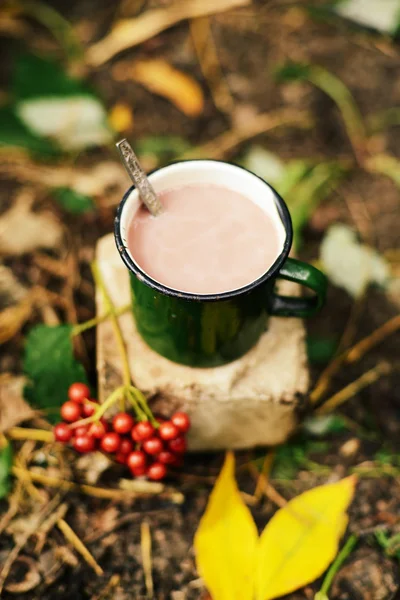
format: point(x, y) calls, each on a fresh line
point(208, 240)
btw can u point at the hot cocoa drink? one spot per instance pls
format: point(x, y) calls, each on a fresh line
point(209, 239)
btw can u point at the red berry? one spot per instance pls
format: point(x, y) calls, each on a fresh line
point(110, 442)
point(70, 411)
point(120, 457)
point(178, 445)
point(84, 443)
point(123, 423)
point(168, 431)
point(181, 421)
point(81, 430)
point(166, 457)
point(97, 430)
point(142, 431)
point(153, 445)
point(156, 471)
point(136, 460)
point(62, 432)
point(88, 408)
point(126, 446)
point(139, 472)
point(78, 392)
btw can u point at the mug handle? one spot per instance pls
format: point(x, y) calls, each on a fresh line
point(295, 306)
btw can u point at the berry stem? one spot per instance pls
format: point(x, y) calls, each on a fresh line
point(81, 327)
point(140, 413)
point(110, 308)
point(112, 398)
point(141, 400)
point(38, 435)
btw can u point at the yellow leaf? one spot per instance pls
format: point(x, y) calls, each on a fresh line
point(302, 539)
point(161, 78)
point(226, 540)
point(121, 117)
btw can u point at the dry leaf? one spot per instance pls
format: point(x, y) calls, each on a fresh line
point(31, 577)
point(127, 33)
point(161, 78)
point(13, 318)
point(13, 408)
point(121, 117)
point(226, 541)
point(294, 549)
point(302, 539)
point(11, 290)
point(22, 230)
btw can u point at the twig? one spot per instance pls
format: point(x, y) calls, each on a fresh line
point(105, 592)
point(61, 29)
point(206, 51)
point(126, 374)
point(382, 368)
point(24, 538)
point(145, 545)
point(63, 484)
point(270, 492)
point(13, 507)
point(335, 566)
point(328, 373)
point(79, 546)
point(81, 327)
point(263, 477)
point(127, 33)
point(376, 337)
point(227, 142)
point(26, 433)
point(48, 525)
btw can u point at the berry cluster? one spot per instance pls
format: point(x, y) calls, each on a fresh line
point(145, 448)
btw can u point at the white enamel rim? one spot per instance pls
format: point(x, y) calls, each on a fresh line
point(214, 173)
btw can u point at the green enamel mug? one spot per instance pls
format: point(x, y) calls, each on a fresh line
point(208, 330)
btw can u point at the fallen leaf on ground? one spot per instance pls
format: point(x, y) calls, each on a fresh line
point(365, 12)
point(31, 577)
point(350, 264)
point(74, 122)
point(92, 465)
point(226, 540)
point(11, 290)
point(35, 229)
point(14, 317)
point(302, 539)
point(120, 117)
point(161, 78)
point(127, 33)
point(265, 164)
point(13, 408)
point(295, 548)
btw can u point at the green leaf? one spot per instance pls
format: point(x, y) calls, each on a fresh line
point(292, 71)
point(294, 455)
point(163, 147)
point(321, 349)
point(72, 201)
point(14, 133)
point(309, 187)
point(6, 458)
point(37, 77)
point(51, 367)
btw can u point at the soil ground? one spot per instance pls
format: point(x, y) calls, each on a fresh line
point(251, 43)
